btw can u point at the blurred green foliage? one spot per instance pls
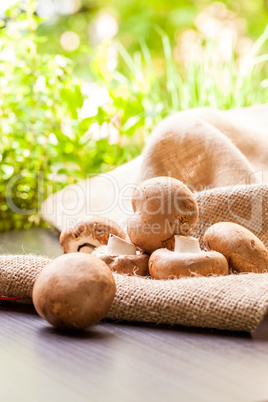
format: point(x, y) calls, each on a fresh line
point(54, 133)
point(137, 20)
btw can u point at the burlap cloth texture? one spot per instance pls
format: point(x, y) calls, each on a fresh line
point(222, 157)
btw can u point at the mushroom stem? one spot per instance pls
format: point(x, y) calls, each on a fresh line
point(117, 246)
point(186, 244)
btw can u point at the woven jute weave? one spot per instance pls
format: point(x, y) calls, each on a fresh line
point(222, 157)
point(235, 302)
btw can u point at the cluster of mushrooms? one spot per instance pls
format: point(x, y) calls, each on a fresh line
point(158, 241)
point(77, 289)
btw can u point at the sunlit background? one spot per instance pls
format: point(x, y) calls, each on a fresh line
point(72, 25)
point(84, 82)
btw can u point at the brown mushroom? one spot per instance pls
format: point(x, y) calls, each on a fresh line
point(89, 233)
point(243, 250)
point(121, 257)
point(163, 207)
point(74, 291)
point(187, 259)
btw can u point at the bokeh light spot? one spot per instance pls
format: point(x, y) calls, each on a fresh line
point(69, 40)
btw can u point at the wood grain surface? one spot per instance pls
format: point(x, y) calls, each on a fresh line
point(115, 361)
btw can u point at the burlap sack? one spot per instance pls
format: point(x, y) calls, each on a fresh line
point(221, 156)
point(235, 302)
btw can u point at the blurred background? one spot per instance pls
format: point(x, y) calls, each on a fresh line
point(84, 82)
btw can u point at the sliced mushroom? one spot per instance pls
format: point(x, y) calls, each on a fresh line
point(122, 257)
point(163, 207)
point(243, 250)
point(187, 259)
point(89, 233)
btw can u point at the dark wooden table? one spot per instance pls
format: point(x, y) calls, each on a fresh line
point(122, 361)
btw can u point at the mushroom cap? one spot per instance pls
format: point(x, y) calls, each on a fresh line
point(163, 207)
point(166, 264)
point(89, 233)
point(244, 251)
point(74, 291)
point(124, 264)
